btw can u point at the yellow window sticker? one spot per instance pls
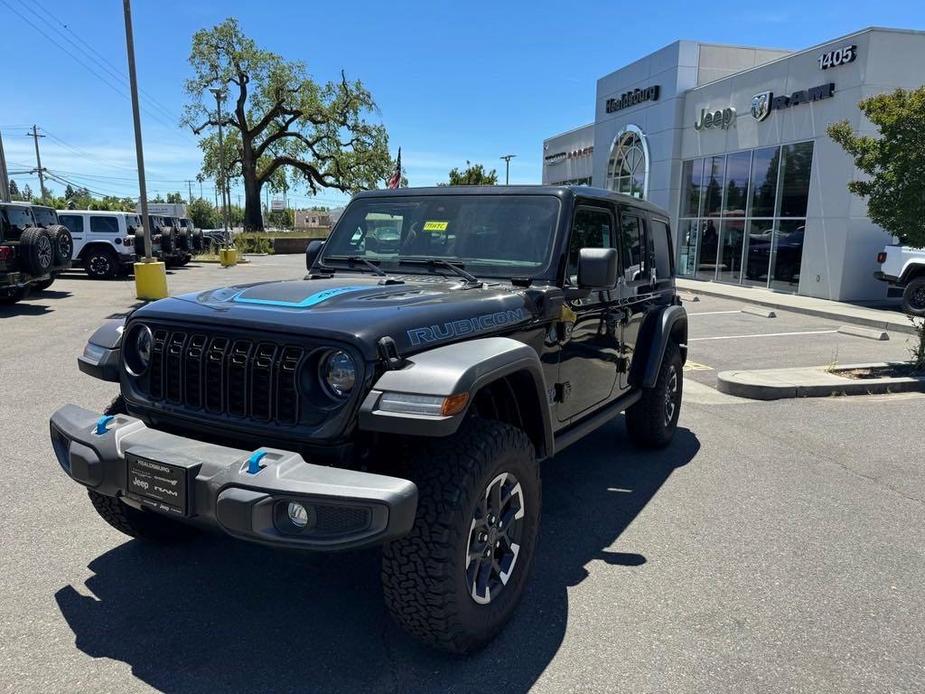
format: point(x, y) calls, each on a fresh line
point(433, 225)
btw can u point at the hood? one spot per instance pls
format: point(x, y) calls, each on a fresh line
point(417, 314)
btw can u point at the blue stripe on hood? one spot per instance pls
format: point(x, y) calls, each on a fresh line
point(311, 300)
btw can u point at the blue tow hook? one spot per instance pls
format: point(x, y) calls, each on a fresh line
point(253, 463)
point(102, 424)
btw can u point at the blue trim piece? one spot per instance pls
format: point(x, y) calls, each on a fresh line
point(311, 300)
point(102, 424)
point(253, 463)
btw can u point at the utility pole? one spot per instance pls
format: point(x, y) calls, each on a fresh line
point(38, 158)
point(4, 178)
point(150, 277)
point(189, 185)
point(507, 167)
point(219, 95)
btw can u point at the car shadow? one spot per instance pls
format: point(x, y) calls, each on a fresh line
point(25, 308)
point(216, 614)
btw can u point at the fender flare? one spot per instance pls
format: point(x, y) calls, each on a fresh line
point(102, 355)
point(913, 268)
point(463, 367)
point(653, 340)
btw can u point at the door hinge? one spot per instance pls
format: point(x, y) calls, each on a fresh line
point(563, 391)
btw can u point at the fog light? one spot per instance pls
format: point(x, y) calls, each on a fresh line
point(298, 516)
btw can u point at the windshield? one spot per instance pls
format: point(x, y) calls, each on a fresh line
point(44, 216)
point(491, 235)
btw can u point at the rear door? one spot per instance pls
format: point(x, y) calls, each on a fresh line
point(639, 279)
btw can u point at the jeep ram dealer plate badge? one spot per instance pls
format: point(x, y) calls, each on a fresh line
point(157, 484)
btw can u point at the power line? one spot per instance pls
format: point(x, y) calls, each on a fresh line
point(102, 77)
point(103, 62)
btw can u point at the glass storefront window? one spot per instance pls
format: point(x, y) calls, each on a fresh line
point(788, 254)
point(764, 181)
point(736, 186)
point(713, 173)
point(743, 216)
point(691, 187)
point(732, 242)
point(795, 172)
point(628, 166)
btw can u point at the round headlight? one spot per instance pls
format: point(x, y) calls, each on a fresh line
point(339, 373)
point(138, 346)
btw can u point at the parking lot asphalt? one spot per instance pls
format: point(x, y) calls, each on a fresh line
point(772, 547)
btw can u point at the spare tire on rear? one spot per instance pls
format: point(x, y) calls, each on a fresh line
point(36, 249)
point(196, 240)
point(167, 240)
point(183, 241)
point(62, 242)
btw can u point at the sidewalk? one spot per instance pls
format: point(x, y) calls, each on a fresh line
point(891, 321)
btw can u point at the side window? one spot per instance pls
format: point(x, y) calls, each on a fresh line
point(592, 228)
point(635, 264)
point(661, 242)
point(73, 222)
point(104, 225)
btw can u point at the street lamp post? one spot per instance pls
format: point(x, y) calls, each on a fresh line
point(219, 95)
point(507, 167)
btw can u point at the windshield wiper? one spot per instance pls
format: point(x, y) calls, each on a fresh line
point(355, 260)
point(442, 262)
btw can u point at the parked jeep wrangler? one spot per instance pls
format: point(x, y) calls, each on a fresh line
point(34, 249)
point(172, 241)
point(903, 268)
point(400, 397)
point(103, 241)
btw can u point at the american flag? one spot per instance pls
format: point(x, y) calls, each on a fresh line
point(395, 178)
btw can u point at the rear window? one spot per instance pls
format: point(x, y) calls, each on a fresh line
point(104, 225)
point(19, 217)
point(44, 216)
point(661, 240)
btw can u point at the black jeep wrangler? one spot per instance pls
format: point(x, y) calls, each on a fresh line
point(34, 249)
point(400, 397)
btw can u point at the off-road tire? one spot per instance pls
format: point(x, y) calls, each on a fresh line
point(914, 297)
point(63, 244)
point(648, 422)
point(44, 284)
point(168, 241)
point(36, 248)
point(144, 525)
point(424, 577)
point(101, 263)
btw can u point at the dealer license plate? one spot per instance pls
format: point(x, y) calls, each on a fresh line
point(157, 484)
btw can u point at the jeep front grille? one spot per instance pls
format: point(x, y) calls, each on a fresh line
point(236, 377)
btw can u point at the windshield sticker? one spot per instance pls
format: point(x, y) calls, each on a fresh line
point(310, 300)
point(435, 226)
point(459, 328)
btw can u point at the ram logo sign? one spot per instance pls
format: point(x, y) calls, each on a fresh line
point(761, 105)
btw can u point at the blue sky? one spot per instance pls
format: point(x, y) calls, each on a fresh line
point(454, 81)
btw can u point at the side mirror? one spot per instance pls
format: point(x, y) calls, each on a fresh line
point(312, 251)
point(597, 268)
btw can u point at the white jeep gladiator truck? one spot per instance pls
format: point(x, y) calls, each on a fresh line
point(903, 267)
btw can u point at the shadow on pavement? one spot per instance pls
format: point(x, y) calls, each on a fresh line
point(217, 614)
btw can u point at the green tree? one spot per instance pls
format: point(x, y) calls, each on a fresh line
point(14, 190)
point(473, 175)
point(894, 162)
point(68, 191)
point(26, 193)
point(277, 119)
point(175, 198)
point(203, 214)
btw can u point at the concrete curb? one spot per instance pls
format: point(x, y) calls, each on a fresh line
point(868, 333)
point(814, 382)
point(899, 325)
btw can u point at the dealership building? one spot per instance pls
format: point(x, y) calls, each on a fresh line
point(732, 141)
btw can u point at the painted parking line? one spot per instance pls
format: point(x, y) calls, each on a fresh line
point(694, 366)
point(714, 313)
point(742, 337)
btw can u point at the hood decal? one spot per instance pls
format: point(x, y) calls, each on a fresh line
point(467, 326)
point(310, 300)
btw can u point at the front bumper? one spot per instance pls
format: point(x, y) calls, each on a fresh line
point(244, 493)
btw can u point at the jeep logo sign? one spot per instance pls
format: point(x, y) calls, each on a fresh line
point(715, 119)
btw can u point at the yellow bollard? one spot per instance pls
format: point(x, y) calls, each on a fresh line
point(150, 281)
point(228, 256)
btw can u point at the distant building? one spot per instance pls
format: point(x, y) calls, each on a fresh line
point(312, 219)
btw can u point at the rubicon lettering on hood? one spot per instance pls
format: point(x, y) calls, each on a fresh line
point(468, 326)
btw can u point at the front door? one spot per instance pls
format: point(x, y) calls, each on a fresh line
point(588, 360)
